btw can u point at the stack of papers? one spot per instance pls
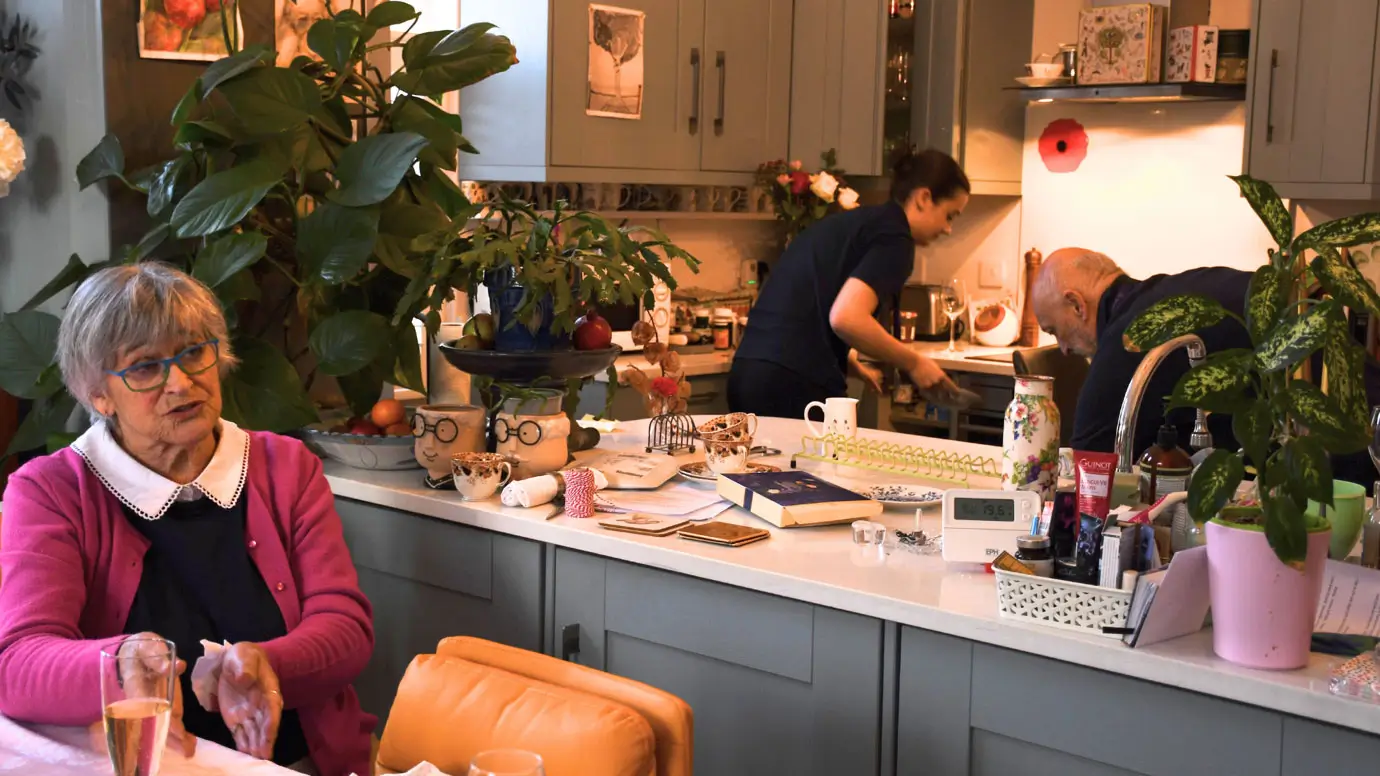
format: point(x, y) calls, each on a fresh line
point(680, 499)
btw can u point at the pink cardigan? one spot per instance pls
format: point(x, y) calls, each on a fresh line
point(71, 563)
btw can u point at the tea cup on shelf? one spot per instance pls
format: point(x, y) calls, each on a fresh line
point(478, 476)
point(1044, 69)
point(727, 457)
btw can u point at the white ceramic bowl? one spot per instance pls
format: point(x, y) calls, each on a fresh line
point(361, 451)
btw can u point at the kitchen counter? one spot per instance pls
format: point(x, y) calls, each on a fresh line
point(963, 360)
point(717, 362)
point(818, 566)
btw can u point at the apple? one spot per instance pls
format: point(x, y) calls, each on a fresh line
point(387, 412)
point(365, 428)
point(592, 332)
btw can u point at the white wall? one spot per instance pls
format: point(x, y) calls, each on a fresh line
point(45, 218)
point(1153, 192)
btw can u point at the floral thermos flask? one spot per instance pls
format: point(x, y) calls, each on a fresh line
point(1030, 438)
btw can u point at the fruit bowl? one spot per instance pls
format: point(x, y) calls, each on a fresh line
point(362, 451)
point(527, 366)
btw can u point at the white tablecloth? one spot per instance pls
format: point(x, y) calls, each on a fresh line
point(42, 750)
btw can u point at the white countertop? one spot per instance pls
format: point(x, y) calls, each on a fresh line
point(962, 360)
point(818, 566)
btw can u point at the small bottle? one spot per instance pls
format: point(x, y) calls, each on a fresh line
point(1370, 532)
point(1165, 467)
point(1034, 552)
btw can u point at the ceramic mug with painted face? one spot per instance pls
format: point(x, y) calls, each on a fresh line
point(538, 443)
point(478, 476)
point(443, 430)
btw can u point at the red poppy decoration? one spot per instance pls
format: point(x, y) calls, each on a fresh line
point(1063, 145)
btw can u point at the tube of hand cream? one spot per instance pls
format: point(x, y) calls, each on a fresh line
point(1095, 472)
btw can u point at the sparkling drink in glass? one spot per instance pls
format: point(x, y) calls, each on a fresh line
point(137, 683)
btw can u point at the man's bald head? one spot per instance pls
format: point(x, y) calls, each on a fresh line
point(1066, 294)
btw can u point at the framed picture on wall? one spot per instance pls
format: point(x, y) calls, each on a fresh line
point(292, 21)
point(614, 88)
point(189, 30)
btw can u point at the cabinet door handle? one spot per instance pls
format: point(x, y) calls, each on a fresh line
point(1270, 98)
point(723, 81)
point(570, 642)
point(694, 90)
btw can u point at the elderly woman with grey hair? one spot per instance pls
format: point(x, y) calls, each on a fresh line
point(165, 519)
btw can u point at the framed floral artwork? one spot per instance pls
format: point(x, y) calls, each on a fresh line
point(191, 30)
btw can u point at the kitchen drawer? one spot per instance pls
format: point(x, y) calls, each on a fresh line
point(708, 394)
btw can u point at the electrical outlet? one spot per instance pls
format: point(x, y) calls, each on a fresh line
point(990, 274)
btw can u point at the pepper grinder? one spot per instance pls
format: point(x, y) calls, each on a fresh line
point(1030, 328)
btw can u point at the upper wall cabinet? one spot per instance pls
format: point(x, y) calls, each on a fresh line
point(713, 92)
point(1315, 99)
point(866, 84)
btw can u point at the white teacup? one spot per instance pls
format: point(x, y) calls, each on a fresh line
point(478, 476)
point(1045, 69)
point(727, 457)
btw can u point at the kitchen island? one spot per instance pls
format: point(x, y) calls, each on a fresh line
point(800, 656)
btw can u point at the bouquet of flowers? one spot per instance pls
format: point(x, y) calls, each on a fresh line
point(668, 392)
point(802, 198)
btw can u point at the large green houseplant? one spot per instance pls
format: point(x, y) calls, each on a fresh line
point(1286, 426)
point(310, 198)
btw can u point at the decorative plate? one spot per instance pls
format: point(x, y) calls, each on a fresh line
point(904, 496)
point(700, 471)
point(1031, 82)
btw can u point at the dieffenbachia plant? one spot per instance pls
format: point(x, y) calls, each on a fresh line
point(1287, 427)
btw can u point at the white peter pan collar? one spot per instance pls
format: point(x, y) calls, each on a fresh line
point(150, 494)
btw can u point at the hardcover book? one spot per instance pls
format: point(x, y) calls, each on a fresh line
point(791, 498)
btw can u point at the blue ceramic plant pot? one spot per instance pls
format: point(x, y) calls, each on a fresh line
point(505, 296)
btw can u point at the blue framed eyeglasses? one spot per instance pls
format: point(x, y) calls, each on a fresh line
point(152, 375)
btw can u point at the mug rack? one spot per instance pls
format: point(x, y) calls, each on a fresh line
point(908, 460)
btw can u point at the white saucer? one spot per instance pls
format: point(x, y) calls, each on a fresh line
point(904, 496)
point(1031, 82)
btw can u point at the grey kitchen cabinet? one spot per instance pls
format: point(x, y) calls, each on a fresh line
point(776, 686)
point(1314, 102)
point(714, 96)
point(428, 579)
point(867, 85)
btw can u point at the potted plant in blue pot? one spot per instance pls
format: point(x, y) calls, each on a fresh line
point(1265, 558)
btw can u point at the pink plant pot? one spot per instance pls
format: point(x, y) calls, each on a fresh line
point(1262, 610)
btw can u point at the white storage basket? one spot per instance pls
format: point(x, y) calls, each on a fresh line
point(1067, 605)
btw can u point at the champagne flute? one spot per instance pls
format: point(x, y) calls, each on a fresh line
point(137, 682)
point(1374, 447)
point(507, 762)
point(954, 299)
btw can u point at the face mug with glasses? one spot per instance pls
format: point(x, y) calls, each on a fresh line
point(537, 444)
point(138, 678)
point(441, 431)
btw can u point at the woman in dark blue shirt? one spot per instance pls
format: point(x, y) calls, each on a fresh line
point(818, 311)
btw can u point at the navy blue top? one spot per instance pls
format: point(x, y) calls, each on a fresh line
point(200, 583)
point(789, 324)
point(1099, 403)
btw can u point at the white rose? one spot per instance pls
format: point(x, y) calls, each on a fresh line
point(11, 156)
point(824, 185)
point(848, 198)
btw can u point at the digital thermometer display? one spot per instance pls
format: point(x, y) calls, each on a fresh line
point(986, 510)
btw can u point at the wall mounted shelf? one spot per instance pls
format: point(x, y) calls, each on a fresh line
point(1190, 92)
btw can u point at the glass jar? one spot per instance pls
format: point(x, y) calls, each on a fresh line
point(723, 329)
point(1233, 56)
point(1034, 552)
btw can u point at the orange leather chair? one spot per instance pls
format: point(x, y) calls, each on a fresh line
point(475, 695)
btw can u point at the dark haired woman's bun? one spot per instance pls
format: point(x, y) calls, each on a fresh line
point(928, 169)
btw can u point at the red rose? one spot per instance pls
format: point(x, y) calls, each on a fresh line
point(185, 13)
point(800, 182)
point(665, 386)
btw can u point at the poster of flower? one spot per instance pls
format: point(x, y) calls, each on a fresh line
point(183, 29)
point(616, 61)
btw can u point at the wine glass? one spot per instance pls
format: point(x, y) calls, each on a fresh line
point(507, 762)
point(954, 300)
point(1374, 446)
point(137, 681)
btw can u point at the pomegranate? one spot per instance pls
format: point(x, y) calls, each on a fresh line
point(185, 13)
point(592, 332)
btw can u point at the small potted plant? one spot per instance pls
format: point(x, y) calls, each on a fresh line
point(801, 198)
point(1266, 560)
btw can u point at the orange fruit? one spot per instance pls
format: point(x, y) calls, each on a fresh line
point(387, 413)
point(398, 429)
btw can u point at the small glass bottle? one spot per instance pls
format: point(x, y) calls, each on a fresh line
point(1370, 532)
point(1034, 552)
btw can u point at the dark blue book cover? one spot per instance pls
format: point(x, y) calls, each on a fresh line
point(792, 489)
